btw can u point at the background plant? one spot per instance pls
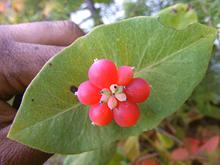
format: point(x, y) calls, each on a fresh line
point(198, 117)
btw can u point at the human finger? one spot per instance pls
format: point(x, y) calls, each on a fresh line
point(7, 114)
point(13, 153)
point(20, 62)
point(60, 33)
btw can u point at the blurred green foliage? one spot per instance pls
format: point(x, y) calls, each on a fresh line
point(207, 10)
point(206, 97)
point(207, 94)
point(178, 16)
point(134, 9)
point(16, 11)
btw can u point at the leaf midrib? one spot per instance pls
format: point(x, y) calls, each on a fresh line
point(40, 121)
point(171, 55)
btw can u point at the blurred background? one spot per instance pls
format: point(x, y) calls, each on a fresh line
point(178, 139)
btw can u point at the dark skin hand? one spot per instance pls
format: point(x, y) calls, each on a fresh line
point(24, 49)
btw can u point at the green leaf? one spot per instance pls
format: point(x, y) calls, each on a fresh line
point(207, 94)
point(117, 159)
point(132, 148)
point(178, 16)
point(173, 61)
point(96, 157)
point(165, 142)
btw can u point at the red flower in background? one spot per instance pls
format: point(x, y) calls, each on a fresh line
point(113, 93)
point(150, 162)
point(194, 147)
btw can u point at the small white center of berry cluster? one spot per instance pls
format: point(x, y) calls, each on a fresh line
point(113, 95)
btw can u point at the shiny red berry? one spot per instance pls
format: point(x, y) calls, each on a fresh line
point(103, 73)
point(138, 90)
point(88, 94)
point(100, 114)
point(126, 114)
point(125, 75)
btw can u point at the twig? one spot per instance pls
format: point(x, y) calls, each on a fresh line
point(94, 12)
point(84, 20)
point(169, 135)
point(161, 152)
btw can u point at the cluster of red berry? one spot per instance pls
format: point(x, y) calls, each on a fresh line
point(113, 93)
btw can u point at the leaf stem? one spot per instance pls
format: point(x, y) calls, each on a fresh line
point(160, 130)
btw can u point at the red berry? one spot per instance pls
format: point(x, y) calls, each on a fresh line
point(125, 75)
point(138, 90)
point(88, 94)
point(103, 73)
point(126, 114)
point(100, 114)
point(150, 162)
